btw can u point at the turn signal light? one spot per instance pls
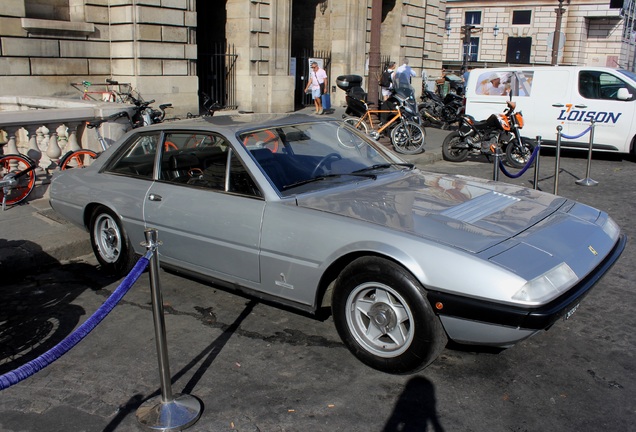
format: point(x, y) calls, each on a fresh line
point(439, 305)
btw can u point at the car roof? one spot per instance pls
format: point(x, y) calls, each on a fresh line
point(234, 123)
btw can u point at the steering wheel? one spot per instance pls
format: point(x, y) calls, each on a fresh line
point(331, 157)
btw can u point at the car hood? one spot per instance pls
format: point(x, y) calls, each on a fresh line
point(462, 212)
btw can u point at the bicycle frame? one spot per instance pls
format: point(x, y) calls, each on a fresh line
point(367, 117)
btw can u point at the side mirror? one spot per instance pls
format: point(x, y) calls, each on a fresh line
point(623, 94)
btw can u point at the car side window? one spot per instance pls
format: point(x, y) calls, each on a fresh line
point(137, 158)
point(201, 160)
point(600, 85)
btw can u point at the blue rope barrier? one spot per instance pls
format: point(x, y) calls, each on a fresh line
point(524, 169)
point(39, 363)
point(577, 136)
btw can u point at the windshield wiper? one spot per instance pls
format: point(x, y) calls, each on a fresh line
point(324, 177)
point(385, 165)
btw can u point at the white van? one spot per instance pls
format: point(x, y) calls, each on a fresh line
point(570, 96)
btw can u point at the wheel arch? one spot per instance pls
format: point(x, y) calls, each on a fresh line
point(329, 276)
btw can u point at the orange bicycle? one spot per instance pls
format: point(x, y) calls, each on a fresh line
point(17, 178)
point(407, 136)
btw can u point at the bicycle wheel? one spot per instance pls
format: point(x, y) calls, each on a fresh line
point(262, 139)
point(408, 138)
point(17, 177)
point(357, 123)
point(77, 159)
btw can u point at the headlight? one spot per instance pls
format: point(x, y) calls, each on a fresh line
point(547, 286)
point(611, 228)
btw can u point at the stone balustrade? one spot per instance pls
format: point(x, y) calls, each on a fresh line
point(46, 128)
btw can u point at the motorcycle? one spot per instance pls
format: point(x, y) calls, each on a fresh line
point(441, 112)
point(145, 114)
point(484, 137)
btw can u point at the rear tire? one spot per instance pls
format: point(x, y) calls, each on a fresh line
point(357, 123)
point(383, 316)
point(451, 150)
point(110, 243)
point(18, 169)
point(77, 159)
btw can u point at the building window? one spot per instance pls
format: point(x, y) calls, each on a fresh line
point(472, 18)
point(522, 17)
point(57, 10)
point(471, 49)
point(518, 50)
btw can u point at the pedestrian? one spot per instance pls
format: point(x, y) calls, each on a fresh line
point(467, 74)
point(403, 74)
point(386, 80)
point(318, 85)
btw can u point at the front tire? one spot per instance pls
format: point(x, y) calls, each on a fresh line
point(518, 156)
point(455, 148)
point(408, 138)
point(383, 317)
point(110, 243)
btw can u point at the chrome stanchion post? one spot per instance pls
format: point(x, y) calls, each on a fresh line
point(495, 169)
point(587, 181)
point(168, 412)
point(536, 164)
point(558, 160)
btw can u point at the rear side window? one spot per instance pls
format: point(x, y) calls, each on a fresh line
point(137, 157)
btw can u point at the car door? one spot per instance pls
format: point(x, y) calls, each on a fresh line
point(597, 98)
point(130, 175)
point(206, 207)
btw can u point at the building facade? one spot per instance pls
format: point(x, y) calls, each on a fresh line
point(484, 33)
point(249, 54)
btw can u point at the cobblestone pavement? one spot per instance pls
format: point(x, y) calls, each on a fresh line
point(260, 368)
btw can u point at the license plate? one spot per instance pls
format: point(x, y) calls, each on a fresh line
point(569, 313)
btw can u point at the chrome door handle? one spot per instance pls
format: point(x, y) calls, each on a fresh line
point(558, 105)
point(153, 197)
point(580, 106)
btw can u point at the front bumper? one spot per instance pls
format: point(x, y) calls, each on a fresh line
point(474, 321)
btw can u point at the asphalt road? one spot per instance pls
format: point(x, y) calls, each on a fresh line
point(261, 368)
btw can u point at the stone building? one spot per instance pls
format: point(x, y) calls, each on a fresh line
point(247, 54)
point(592, 33)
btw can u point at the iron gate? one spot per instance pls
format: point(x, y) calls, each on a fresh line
point(218, 75)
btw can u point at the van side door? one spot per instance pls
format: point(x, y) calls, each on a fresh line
point(599, 98)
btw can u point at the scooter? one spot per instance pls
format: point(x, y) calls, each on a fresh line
point(483, 137)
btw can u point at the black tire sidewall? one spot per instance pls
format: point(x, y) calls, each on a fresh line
point(509, 149)
point(429, 337)
point(127, 258)
point(449, 155)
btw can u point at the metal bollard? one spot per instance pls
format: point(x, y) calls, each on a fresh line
point(587, 181)
point(168, 412)
point(558, 160)
point(495, 169)
point(536, 164)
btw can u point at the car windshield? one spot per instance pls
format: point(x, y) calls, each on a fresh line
point(316, 155)
point(629, 74)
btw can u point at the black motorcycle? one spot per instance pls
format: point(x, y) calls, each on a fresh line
point(501, 131)
point(440, 112)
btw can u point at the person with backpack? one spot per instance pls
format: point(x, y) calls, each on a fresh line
point(386, 80)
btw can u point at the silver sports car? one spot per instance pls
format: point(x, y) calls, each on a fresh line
point(310, 213)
